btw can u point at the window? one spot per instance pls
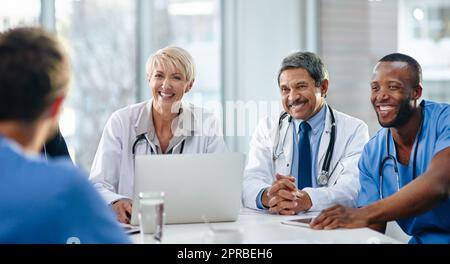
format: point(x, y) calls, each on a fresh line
point(102, 41)
point(424, 32)
point(356, 34)
point(19, 13)
point(195, 26)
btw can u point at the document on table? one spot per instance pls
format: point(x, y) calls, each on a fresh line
point(130, 229)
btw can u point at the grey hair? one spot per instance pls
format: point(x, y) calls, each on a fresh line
point(308, 61)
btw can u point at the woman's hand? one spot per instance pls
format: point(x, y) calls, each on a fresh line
point(122, 208)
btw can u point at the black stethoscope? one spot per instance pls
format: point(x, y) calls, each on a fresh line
point(394, 160)
point(324, 174)
point(152, 152)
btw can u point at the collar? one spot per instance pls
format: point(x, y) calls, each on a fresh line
point(183, 125)
point(316, 122)
point(16, 147)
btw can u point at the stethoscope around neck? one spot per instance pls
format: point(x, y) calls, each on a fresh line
point(394, 160)
point(143, 136)
point(324, 175)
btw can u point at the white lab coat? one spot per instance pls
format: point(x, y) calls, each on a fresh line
point(343, 186)
point(112, 172)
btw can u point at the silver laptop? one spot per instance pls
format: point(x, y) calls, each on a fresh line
point(196, 186)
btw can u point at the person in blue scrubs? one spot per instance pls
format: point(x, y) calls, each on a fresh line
point(404, 169)
point(42, 201)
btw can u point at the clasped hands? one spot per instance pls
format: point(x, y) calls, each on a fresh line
point(284, 198)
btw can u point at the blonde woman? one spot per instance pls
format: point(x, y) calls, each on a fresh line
point(163, 125)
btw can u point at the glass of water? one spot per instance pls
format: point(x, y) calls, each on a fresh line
point(151, 216)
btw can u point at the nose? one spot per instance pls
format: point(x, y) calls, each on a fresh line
point(382, 94)
point(293, 95)
point(165, 83)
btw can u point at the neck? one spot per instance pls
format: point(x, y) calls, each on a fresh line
point(317, 110)
point(28, 136)
point(406, 134)
point(162, 120)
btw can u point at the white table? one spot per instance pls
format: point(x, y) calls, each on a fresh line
point(262, 228)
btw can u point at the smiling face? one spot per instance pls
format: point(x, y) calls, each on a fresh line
point(168, 86)
point(300, 97)
point(393, 93)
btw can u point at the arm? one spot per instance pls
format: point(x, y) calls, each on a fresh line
point(107, 162)
point(417, 197)
point(345, 191)
point(258, 171)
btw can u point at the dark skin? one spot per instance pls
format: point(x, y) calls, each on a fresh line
point(393, 85)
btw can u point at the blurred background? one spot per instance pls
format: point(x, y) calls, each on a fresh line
point(237, 45)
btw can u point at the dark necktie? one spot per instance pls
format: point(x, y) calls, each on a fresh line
point(304, 164)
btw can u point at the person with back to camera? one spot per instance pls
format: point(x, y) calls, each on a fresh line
point(49, 202)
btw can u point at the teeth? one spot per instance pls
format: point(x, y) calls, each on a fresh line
point(386, 108)
point(166, 95)
point(294, 106)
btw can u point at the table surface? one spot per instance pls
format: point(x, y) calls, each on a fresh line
point(263, 228)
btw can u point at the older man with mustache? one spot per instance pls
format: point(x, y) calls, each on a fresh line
point(305, 159)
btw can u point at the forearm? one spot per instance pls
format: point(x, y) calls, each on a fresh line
point(411, 200)
point(381, 227)
point(417, 197)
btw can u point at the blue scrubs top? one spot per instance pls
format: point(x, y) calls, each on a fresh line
point(50, 203)
point(434, 225)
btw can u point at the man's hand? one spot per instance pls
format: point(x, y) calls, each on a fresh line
point(284, 198)
point(339, 216)
point(122, 208)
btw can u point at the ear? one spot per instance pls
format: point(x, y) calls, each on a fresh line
point(324, 88)
point(55, 108)
point(417, 92)
point(189, 87)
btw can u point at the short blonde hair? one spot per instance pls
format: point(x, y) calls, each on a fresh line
point(173, 58)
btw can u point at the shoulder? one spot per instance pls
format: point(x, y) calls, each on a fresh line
point(127, 116)
point(198, 112)
point(56, 179)
point(66, 173)
point(203, 119)
point(376, 141)
point(437, 111)
point(270, 122)
point(130, 111)
point(350, 127)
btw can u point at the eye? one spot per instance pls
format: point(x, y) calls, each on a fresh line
point(393, 87)
point(284, 90)
point(178, 78)
point(158, 75)
point(375, 88)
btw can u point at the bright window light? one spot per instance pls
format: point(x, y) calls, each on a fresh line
point(418, 14)
point(67, 122)
point(19, 8)
point(191, 9)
